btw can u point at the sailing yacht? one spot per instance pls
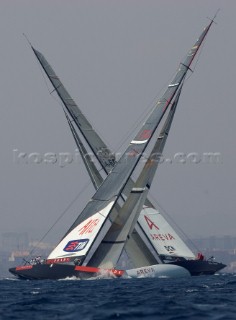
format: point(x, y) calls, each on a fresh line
point(119, 215)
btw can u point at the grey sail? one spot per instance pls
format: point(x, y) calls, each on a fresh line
point(99, 148)
point(92, 170)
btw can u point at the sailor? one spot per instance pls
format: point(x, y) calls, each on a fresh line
point(200, 256)
point(38, 260)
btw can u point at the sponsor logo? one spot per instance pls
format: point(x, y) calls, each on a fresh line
point(157, 236)
point(150, 223)
point(76, 245)
point(145, 271)
point(89, 226)
point(162, 237)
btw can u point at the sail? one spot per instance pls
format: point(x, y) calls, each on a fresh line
point(99, 148)
point(92, 170)
point(80, 239)
point(165, 240)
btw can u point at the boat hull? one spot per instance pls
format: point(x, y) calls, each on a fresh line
point(158, 271)
point(200, 267)
point(60, 271)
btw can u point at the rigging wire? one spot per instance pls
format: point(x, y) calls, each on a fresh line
point(60, 217)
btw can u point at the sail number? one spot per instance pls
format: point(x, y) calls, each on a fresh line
point(170, 249)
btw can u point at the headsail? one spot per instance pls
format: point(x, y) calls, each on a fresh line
point(163, 237)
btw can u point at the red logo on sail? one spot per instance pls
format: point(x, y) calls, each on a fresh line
point(150, 223)
point(89, 226)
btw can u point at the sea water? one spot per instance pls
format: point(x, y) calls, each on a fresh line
point(203, 297)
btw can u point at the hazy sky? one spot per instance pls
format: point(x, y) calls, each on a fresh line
point(115, 57)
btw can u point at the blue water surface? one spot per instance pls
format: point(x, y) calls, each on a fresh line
point(203, 297)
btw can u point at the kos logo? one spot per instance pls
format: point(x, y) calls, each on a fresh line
point(76, 245)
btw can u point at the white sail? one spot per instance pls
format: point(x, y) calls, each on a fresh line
point(163, 237)
point(80, 239)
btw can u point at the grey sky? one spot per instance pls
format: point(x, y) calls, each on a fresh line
point(114, 57)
